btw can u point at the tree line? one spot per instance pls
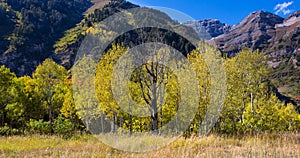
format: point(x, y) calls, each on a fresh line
point(45, 102)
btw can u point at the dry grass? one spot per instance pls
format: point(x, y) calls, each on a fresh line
point(265, 145)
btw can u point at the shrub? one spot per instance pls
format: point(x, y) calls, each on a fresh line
point(4, 131)
point(38, 126)
point(63, 126)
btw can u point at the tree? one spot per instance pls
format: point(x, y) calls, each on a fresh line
point(86, 103)
point(199, 65)
point(50, 80)
point(68, 109)
point(207, 63)
point(158, 89)
point(103, 85)
point(270, 115)
point(6, 82)
point(246, 79)
point(153, 87)
point(251, 105)
point(25, 102)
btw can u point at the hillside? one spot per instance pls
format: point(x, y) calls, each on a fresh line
point(67, 46)
point(32, 27)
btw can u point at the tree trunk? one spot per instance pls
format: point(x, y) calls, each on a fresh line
point(154, 109)
point(102, 123)
point(50, 119)
point(252, 104)
point(200, 128)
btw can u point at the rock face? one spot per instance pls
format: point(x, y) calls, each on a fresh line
point(211, 26)
point(286, 41)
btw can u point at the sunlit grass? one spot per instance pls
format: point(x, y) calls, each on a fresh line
point(263, 145)
point(136, 142)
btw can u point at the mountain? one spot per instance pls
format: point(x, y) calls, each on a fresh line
point(255, 31)
point(260, 30)
point(285, 57)
point(9, 19)
point(287, 36)
point(97, 4)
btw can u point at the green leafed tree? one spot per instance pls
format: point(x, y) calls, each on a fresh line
point(86, 103)
point(50, 80)
point(250, 104)
point(270, 115)
point(25, 104)
point(6, 97)
point(103, 87)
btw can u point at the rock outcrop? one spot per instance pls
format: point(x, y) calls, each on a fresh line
point(212, 26)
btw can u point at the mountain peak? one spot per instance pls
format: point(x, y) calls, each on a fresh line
point(261, 12)
point(255, 31)
point(258, 12)
point(262, 16)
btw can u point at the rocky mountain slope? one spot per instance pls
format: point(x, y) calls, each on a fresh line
point(255, 31)
point(263, 31)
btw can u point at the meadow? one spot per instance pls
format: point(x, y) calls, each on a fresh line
point(260, 145)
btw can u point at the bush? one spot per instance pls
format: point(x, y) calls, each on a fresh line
point(40, 126)
point(5, 131)
point(63, 126)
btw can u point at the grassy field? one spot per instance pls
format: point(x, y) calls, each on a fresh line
point(264, 145)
